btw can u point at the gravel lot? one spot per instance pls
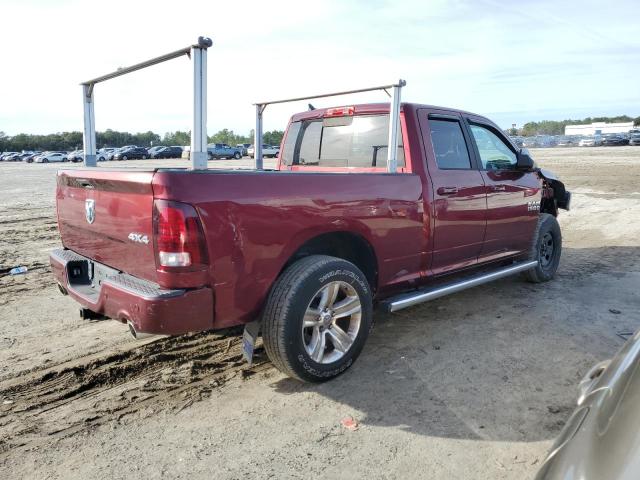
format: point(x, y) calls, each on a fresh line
point(474, 385)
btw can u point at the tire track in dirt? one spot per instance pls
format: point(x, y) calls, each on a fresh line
point(169, 374)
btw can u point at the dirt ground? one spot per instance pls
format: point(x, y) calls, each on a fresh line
point(475, 385)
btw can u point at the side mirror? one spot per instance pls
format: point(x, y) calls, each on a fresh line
point(524, 160)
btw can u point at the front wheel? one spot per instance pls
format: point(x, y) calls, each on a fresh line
point(144, 157)
point(237, 156)
point(124, 157)
point(317, 318)
point(546, 249)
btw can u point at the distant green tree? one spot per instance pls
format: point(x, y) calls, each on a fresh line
point(229, 137)
point(274, 137)
point(177, 138)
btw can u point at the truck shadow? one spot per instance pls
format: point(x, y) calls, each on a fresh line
point(498, 362)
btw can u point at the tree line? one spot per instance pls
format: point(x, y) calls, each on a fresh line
point(553, 127)
point(113, 138)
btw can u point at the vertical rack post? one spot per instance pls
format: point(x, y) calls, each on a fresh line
point(394, 117)
point(199, 154)
point(89, 132)
point(257, 137)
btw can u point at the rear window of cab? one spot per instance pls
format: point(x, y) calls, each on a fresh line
point(347, 142)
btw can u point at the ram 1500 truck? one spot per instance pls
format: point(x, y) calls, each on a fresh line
point(306, 251)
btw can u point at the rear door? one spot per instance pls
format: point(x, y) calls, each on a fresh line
point(107, 216)
point(459, 203)
point(513, 196)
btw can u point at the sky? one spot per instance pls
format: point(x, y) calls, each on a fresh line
point(510, 61)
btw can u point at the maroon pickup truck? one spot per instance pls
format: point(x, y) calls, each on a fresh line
point(304, 252)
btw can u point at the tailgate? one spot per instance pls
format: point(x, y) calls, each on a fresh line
point(107, 216)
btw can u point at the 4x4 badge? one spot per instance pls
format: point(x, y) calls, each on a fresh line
point(90, 210)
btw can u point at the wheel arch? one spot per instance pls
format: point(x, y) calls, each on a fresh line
point(346, 245)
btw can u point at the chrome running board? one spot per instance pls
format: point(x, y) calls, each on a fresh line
point(410, 299)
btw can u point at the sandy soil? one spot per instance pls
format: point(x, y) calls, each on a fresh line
point(474, 385)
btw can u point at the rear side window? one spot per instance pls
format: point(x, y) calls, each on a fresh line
point(357, 142)
point(449, 145)
point(290, 143)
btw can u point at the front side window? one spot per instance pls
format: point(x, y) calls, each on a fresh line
point(449, 145)
point(356, 142)
point(494, 152)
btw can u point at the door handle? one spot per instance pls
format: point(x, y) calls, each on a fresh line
point(498, 188)
point(447, 190)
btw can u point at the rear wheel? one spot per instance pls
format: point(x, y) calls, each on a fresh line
point(546, 249)
point(237, 156)
point(144, 157)
point(124, 157)
point(317, 318)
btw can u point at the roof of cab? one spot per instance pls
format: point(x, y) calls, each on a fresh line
point(372, 108)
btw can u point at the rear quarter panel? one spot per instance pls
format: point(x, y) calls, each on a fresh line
point(251, 237)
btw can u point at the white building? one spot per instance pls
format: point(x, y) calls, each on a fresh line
point(598, 127)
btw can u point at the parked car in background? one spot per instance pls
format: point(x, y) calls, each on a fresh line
point(6, 155)
point(634, 139)
point(20, 157)
point(75, 156)
point(78, 156)
point(129, 153)
point(48, 157)
point(614, 140)
point(167, 152)
point(517, 140)
point(600, 439)
point(565, 141)
point(587, 142)
point(267, 151)
point(154, 149)
point(15, 157)
point(112, 153)
point(244, 148)
point(29, 158)
point(222, 150)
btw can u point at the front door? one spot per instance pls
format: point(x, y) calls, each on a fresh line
point(458, 206)
point(513, 196)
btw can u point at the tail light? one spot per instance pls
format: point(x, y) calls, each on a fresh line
point(339, 111)
point(178, 235)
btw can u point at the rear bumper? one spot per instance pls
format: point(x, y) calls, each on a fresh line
point(123, 297)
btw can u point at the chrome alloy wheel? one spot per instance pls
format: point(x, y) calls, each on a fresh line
point(331, 322)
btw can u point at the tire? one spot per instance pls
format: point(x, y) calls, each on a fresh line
point(237, 156)
point(546, 249)
point(64, 160)
point(144, 157)
point(124, 157)
point(300, 292)
point(45, 161)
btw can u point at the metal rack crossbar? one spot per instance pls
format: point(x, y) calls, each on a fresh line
point(198, 55)
point(392, 150)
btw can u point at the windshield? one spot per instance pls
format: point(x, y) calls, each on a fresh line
point(359, 141)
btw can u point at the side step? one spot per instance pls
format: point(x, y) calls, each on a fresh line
point(410, 299)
